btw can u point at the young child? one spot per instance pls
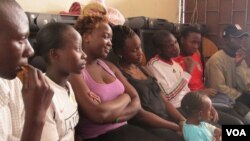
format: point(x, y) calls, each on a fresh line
point(60, 45)
point(197, 106)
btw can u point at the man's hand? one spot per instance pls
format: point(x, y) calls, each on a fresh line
point(240, 56)
point(189, 63)
point(37, 94)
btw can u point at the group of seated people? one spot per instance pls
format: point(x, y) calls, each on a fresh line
point(82, 96)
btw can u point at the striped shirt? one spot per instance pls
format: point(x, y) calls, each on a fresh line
point(171, 78)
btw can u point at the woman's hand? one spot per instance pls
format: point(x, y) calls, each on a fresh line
point(91, 105)
point(135, 105)
point(189, 63)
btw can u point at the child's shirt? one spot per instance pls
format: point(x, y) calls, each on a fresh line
point(62, 115)
point(202, 132)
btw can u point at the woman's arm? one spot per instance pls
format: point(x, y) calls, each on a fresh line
point(135, 105)
point(97, 112)
point(152, 120)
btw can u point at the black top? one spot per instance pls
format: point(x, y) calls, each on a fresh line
point(149, 93)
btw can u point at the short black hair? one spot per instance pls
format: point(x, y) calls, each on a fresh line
point(5, 15)
point(5, 3)
point(192, 102)
point(189, 29)
point(120, 34)
point(158, 38)
point(49, 37)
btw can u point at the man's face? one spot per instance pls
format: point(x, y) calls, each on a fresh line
point(170, 47)
point(191, 43)
point(14, 45)
point(235, 43)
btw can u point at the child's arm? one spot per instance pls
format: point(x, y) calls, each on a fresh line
point(217, 134)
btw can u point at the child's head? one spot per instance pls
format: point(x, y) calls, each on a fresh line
point(96, 34)
point(127, 44)
point(61, 47)
point(198, 105)
point(166, 44)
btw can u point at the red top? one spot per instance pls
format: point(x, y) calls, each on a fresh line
point(196, 81)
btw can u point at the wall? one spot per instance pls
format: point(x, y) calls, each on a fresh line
point(165, 9)
point(217, 14)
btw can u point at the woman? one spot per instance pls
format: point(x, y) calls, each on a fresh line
point(60, 46)
point(158, 112)
point(115, 100)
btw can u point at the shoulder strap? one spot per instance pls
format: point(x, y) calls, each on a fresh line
point(148, 72)
point(105, 67)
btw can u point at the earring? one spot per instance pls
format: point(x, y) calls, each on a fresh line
point(120, 56)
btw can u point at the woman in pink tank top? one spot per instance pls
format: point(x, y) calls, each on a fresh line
point(106, 99)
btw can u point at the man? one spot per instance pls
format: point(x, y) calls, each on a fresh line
point(190, 41)
point(34, 97)
point(247, 59)
point(172, 79)
point(226, 71)
point(169, 74)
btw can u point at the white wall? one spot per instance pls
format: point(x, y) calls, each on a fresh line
point(166, 9)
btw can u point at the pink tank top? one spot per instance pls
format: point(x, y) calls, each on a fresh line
point(87, 129)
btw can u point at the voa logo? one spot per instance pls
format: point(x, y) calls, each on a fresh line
point(236, 132)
